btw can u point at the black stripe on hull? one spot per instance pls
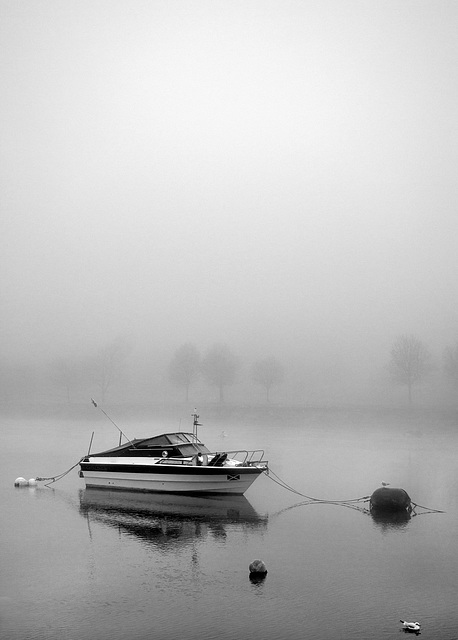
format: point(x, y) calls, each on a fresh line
point(164, 469)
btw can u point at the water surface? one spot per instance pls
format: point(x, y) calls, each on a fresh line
point(88, 564)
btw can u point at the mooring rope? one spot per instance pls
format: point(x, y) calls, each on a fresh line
point(285, 485)
point(53, 479)
point(427, 509)
point(353, 503)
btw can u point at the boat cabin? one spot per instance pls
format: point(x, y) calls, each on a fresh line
point(166, 445)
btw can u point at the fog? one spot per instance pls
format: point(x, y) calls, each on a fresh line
point(278, 176)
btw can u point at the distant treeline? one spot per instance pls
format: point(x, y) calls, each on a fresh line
point(115, 373)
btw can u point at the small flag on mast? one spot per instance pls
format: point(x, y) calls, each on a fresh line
point(94, 402)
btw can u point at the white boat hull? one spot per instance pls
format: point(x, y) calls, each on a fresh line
point(171, 478)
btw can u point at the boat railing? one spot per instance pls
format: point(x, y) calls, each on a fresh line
point(240, 456)
point(247, 458)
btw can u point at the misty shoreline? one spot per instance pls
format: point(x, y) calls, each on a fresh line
point(331, 416)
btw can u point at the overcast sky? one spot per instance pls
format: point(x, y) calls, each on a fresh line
point(270, 174)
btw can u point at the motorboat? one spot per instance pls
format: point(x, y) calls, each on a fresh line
point(173, 463)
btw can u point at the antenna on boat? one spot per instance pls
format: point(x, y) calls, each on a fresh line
point(195, 424)
point(121, 433)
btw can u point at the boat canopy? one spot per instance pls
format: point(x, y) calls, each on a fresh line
point(177, 444)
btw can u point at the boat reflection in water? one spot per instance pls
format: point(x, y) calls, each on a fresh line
point(168, 520)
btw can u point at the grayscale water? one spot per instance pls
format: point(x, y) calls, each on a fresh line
point(95, 565)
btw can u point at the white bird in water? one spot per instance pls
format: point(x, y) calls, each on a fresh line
point(411, 626)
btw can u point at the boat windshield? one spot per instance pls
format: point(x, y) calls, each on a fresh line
point(192, 448)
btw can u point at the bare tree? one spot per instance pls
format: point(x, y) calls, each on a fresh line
point(451, 363)
point(410, 362)
point(219, 367)
point(108, 365)
point(267, 373)
point(185, 367)
point(65, 372)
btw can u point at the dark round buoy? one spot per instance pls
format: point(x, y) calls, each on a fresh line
point(258, 568)
point(390, 499)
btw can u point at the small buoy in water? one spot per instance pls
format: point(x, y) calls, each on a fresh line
point(257, 567)
point(20, 482)
point(413, 627)
point(32, 482)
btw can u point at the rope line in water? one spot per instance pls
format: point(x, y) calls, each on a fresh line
point(427, 509)
point(310, 499)
point(355, 506)
point(59, 476)
point(354, 503)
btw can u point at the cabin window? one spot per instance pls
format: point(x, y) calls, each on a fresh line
point(179, 438)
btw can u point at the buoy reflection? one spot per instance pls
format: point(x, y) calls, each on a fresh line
point(391, 520)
